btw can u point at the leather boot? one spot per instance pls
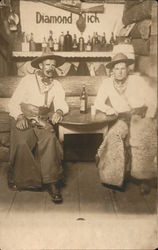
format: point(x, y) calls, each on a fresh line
point(54, 191)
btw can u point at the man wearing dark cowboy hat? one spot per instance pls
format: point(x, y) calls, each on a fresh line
point(37, 104)
point(133, 135)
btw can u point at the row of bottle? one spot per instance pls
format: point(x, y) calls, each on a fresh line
point(69, 43)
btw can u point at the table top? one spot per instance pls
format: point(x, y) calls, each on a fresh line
point(74, 117)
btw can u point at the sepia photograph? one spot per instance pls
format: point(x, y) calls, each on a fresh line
point(78, 125)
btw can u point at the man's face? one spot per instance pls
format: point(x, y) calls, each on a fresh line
point(48, 67)
point(120, 71)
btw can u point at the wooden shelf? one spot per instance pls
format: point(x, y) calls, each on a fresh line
point(70, 54)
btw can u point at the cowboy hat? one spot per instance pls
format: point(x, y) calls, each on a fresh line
point(47, 55)
point(120, 57)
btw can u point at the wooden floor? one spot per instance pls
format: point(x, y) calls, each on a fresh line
point(91, 217)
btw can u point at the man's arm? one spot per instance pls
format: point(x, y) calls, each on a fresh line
point(14, 105)
point(17, 98)
point(101, 99)
point(150, 96)
point(60, 105)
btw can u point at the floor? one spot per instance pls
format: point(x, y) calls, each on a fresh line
point(91, 217)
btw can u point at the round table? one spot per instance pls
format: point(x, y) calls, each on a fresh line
point(76, 122)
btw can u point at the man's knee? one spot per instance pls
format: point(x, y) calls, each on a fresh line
point(48, 136)
point(23, 138)
point(120, 128)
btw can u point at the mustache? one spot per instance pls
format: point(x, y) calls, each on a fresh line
point(50, 71)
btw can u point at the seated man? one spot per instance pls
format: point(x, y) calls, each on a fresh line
point(37, 104)
point(134, 132)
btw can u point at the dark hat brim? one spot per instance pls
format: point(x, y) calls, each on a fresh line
point(59, 60)
point(111, 64)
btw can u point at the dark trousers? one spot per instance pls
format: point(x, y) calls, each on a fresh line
point(35, 156)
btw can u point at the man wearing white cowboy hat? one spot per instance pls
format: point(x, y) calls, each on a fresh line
point(133, 135)
point(37, 104)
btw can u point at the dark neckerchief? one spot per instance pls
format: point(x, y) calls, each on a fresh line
point(44, 83)
point(45, 79)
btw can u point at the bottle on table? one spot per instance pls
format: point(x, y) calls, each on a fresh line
point(83, 100)
point(50, 40)
point(44, 44)
point(74, 43)
point(61, 42)
point(81, 43)
point(68, 42)
point(32, 43)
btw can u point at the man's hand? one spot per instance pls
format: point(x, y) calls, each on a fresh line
point(22, 122)
point(57, 117)
point(111, 111)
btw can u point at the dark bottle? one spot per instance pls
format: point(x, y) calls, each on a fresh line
point(51, 41)
point(97, 38)
point(103, 40)
point(68, 42)
point(81, 43)
point(83, 100)
point(112, 39)
point(61, 42)
point(32, 43)
point(89, 45)
point(74, 43)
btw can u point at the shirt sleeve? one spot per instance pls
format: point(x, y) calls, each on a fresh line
point(150, 99)
point(17, 98)
point(101, 98)
point(59, 99)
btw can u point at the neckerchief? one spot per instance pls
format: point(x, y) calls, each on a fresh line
point(120, 88)
point(44, 83)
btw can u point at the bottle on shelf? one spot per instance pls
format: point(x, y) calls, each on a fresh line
point(51, 41)
point(93, 40)
point(103, 40)
point(112, 39)
point(56, 45)
point(68, 42)
point(83, 100)
point(89, 45)
point(97, 38)
point(74, 43)
point(81, 43)
point(32, 43)
point(61, 42)
point(25, 42)
point(44, 44)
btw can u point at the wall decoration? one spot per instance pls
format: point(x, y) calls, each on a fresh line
point(45, 17)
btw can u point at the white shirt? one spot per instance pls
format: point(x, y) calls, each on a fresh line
point(29, 92)
point(138, 93)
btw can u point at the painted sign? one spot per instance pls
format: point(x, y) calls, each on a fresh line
point(39, 18)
